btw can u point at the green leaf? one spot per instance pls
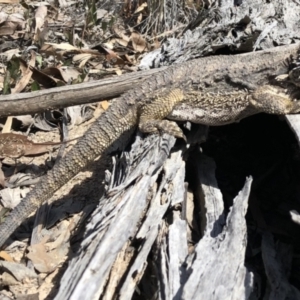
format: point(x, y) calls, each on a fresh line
point(6, 83)
point(13, 66)
point(39, 60)
point(35, 86)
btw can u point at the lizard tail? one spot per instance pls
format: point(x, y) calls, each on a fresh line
point(110, 132)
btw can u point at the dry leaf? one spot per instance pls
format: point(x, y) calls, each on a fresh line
point(11, 23)
point(15, 182)
point(46, 257)
point(113, 58)
point(58, 49)
point(7, 30)
point(122, 42)
point(62, 46)
point(40, 15)
point(10, 198)
point(64, 73)
point(7, 126)
point(3, 17)
point(156, 44)
point(65, 49)
point(121, 32)
point(138, 42)
point(64, 4)
point(97, 66)
point(141, 8)
point(130, 59)
point(16, 18)
point(9, 1)
point(16, 145)
point(19, 271)
point(42, 261)
point(4, 255)
point(139, 18)
point(2, 177)
point(43, 79)
point(29, 71)
point(119, 72)
point(26, 74)
point(10, 53)
point(104, 104)
point(83, 58)
point(101, 13)
point(77, 114)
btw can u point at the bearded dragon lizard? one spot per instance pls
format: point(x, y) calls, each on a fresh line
point(213, 90)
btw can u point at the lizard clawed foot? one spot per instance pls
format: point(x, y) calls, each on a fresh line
point(162, 126)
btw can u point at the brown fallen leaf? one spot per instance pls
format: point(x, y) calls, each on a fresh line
point(5, 256)
point(65, 73)
point(6, 30)
point(16, 145)
point(139, 44)
point(104, 104)
point(2, 177)
point(43, 79)
point(26, 73)
point(7, 126)
point(11, 24)
point(40, 15)
point(9, 1)
point(141, 8)
point(46, 256)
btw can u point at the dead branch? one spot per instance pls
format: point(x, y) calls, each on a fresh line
point(60, 97)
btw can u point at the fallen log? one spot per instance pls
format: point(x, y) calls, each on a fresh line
point(60, 97)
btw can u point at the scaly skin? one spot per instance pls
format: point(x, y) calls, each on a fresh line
point(178, 93)
point(110, 132)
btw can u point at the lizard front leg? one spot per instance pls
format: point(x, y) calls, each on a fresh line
point(152, 115)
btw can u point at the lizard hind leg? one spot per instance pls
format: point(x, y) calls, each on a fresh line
point(274, 100)
point(152, 114)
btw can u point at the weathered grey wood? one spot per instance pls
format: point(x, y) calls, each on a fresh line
point(139, 215)
point(264, 24)
point(166, 191)
point(210, 197)
point(60, 97)
point(294, 122)
point(139, 218)
point(107, 247)
point(277, 260)
point(117, 221)
point(217, 268)
point(178, 251)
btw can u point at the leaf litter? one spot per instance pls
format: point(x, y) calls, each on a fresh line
point(41, 47)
